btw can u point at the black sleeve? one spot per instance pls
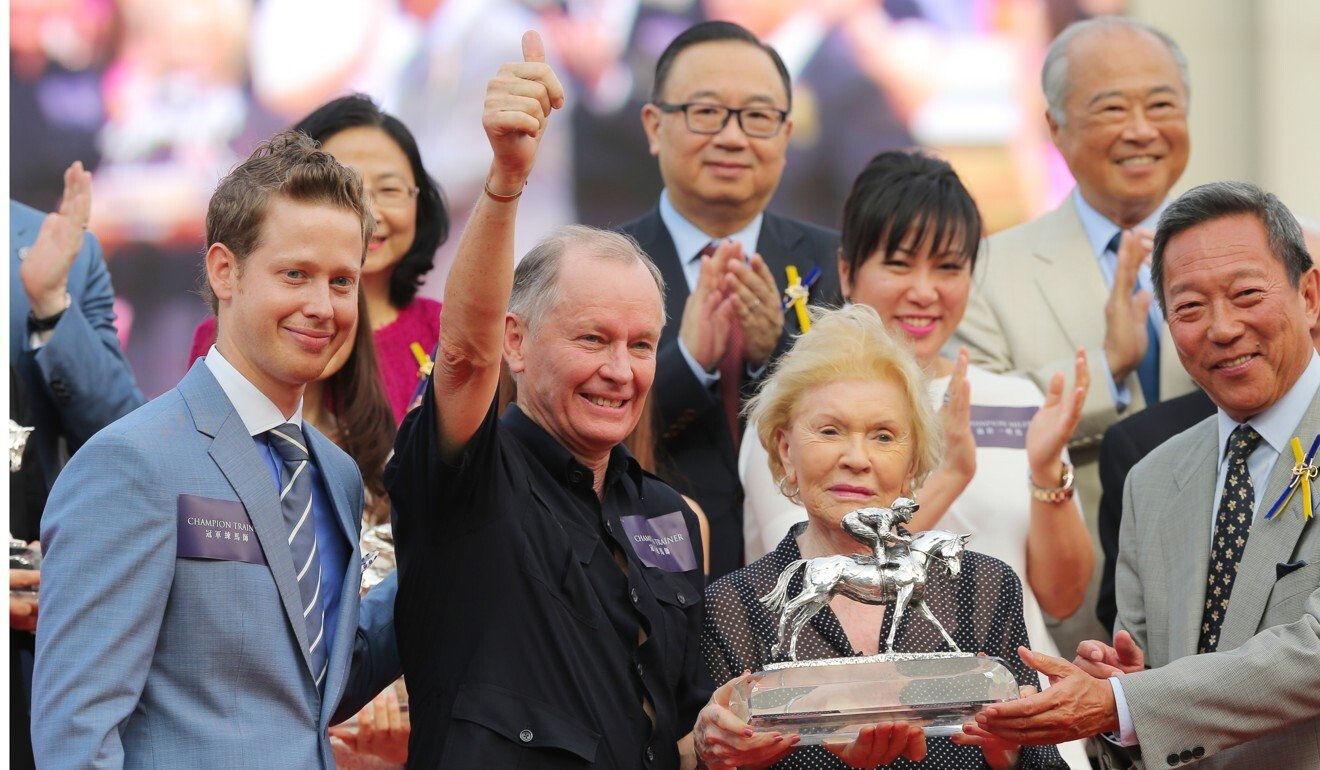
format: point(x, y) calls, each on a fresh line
point(1117, 456)
point(431, 496)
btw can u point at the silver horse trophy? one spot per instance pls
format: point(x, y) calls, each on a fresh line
point(830, 700)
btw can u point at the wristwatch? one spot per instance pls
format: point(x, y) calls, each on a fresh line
point(1061, 494)
point(38, 325)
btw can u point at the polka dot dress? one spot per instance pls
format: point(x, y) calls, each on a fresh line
point(981, 610)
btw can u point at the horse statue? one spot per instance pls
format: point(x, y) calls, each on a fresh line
point(864, 579)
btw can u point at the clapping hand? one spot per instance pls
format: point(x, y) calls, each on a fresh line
point(751, 287)
point(1053, 423)
point(956, 419)
point(1125, 312)
point(1102, 661)
point(45, 270)
point(709, 311)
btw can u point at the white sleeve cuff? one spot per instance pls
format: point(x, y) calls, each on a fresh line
point(1127, 732)
point(707, 379)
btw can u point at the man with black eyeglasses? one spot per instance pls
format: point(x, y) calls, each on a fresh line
point(719, 123)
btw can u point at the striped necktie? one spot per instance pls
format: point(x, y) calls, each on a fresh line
point(1232, 526)
point(296, 503)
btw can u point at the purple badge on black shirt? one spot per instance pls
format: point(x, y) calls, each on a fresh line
point(217, 529)
point(661, 542)
point(1001, 426)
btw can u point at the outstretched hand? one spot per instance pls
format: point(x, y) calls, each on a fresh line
point(1075, 705)
point(519, 101)
point(1102, 661)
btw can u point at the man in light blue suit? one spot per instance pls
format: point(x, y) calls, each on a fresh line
point(200, 589)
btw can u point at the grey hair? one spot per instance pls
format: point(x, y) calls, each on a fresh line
point(1225, 199)
point(536, 289)
point(1054, 72)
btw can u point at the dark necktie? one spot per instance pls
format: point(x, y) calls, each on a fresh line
point(1232, 526)
point(1148, 369)
point(296, 503)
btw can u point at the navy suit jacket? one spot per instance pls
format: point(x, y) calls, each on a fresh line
point(79, 381)
point(146, 658)
point(695, 450)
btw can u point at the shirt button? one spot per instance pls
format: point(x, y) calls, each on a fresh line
point(609, 526)
point(633, 593)
point(650, 754)
point(575, 477)
point(640, 669)
point(682, 599)
point(525, 736)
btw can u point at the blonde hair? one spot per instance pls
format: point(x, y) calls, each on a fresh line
point(850, 343)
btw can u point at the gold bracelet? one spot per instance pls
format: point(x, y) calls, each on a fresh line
point(503, 198)
point(1062, 494)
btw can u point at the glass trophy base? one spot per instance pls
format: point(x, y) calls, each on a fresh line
point(831, 700)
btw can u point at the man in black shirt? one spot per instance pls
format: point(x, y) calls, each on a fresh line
point(549, 603)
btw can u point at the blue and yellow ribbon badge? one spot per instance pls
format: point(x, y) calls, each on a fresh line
point(796, 294)
point(1302, 472)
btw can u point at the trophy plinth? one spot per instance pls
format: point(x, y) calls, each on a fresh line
point(831, 700)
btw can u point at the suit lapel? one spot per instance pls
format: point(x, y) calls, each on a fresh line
point(655, 239)
point(1270, 542)
point(1069, 277)
point(346, 625)
point(236, 455)
point(1184, 526)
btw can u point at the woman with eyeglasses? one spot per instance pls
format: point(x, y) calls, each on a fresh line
point(411, 223)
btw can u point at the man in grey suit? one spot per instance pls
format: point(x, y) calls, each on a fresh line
point(1117, 92)
point(1218, 578)
point(200, 588)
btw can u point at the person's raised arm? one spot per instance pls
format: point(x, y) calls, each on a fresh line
point(518, 104)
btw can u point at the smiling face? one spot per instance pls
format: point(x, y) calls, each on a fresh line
point(1125, 131)
point(288, 308)
point(919, 291)
point(729, 175)
point(585, 370)
point(385, 171)
point(849, 445)
point(1241, 329)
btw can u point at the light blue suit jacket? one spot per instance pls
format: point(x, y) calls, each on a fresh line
point(79, 381)
point(148, 659)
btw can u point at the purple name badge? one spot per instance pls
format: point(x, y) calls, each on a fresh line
point(217, 529)
point(1001, 426)
point(661, 542)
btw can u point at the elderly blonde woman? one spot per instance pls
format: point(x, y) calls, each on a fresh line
point(847, 424)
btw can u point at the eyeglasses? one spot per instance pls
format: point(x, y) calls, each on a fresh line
point(707, 118)
point(392, 195)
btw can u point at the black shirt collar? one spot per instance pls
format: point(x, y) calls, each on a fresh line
point(559, 461)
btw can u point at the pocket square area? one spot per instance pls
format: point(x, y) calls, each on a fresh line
point(217, 529)
point(1287, 568)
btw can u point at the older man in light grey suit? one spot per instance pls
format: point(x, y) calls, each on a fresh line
point(200, 589)
point(1118, 95)
point(1218, 579)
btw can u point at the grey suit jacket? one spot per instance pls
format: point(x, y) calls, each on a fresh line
point(148, 659)
point(1255, 702)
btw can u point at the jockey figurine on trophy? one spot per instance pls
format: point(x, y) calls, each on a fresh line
point(878, 528)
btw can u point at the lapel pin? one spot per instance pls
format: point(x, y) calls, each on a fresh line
point(1303, 471)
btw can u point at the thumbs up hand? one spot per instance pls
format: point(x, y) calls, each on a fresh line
point(519, 101)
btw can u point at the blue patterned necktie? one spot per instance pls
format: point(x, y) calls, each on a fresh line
point(1232, 526)
point(1148, 369)
point(296, 503)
